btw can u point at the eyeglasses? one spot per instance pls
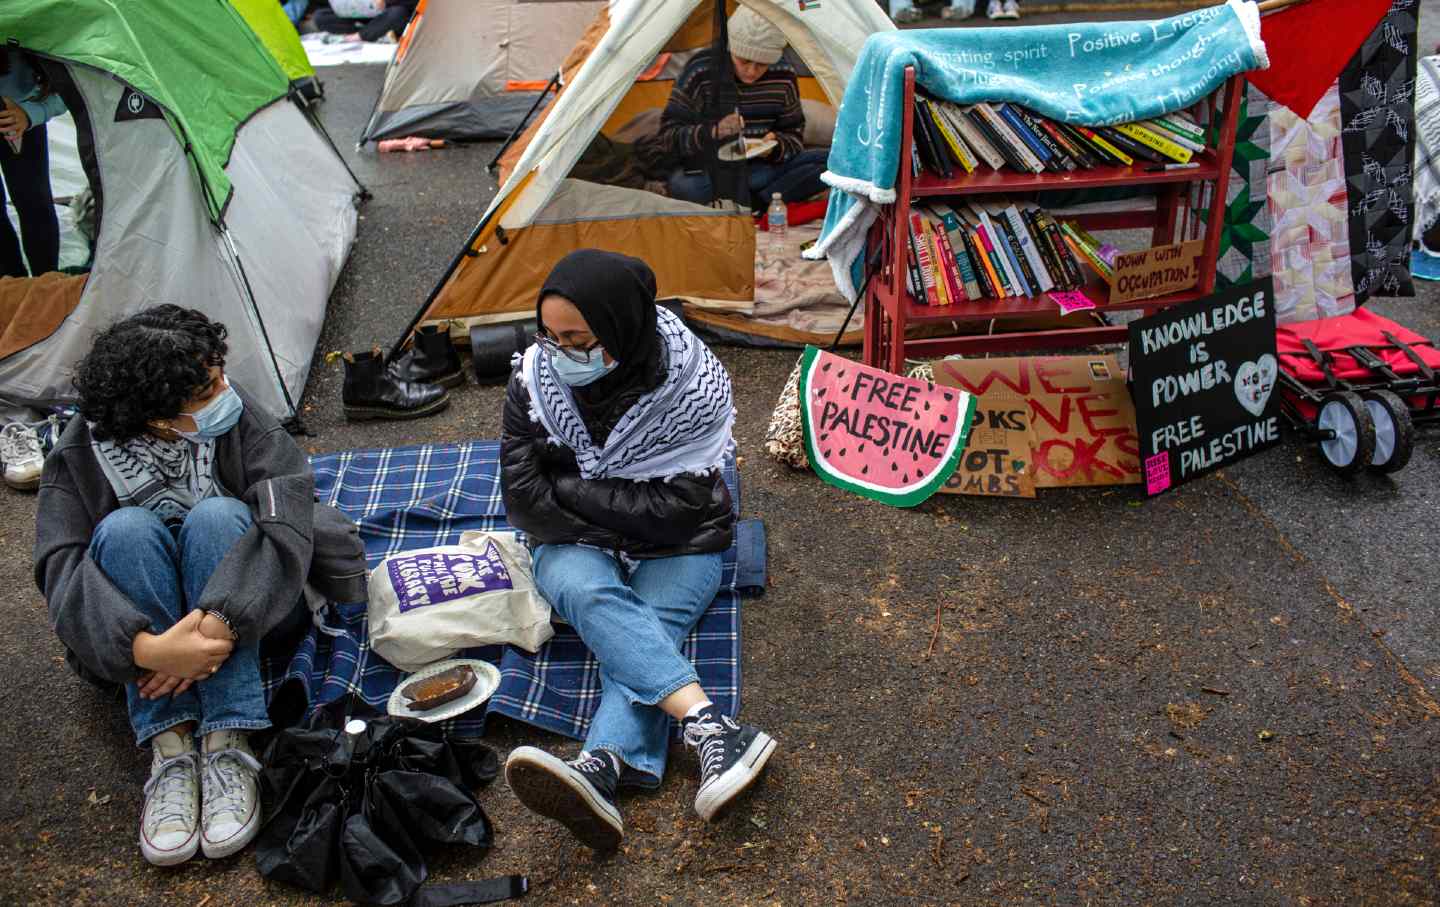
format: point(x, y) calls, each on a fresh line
point(551, 345)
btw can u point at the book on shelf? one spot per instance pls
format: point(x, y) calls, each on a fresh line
point(1128, 145)
point(951, 140)
point(994, 248)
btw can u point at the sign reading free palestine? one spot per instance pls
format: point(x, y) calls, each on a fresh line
point(884, 436)
point(1203, 376)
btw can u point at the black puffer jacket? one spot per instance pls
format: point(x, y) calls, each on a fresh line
point(547, 499)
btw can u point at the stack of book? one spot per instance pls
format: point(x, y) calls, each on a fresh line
point(950, 139)
point(995, 248)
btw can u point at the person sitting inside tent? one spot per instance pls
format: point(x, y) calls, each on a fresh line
point(616, 423)
point(176, 527)
point(768, 108)
point(365, 20)
point(26, 104)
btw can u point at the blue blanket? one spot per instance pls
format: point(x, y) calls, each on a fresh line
point(1092, 74)
point(417, 497)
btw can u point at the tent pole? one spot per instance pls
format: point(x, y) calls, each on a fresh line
point(294, 422)
point(439, 285)
point(520, 127)
point(309, 111)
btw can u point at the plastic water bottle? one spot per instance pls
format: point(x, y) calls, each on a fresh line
point(776, 221)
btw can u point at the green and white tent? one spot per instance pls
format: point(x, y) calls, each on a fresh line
point(268, 20)
point(213, 189)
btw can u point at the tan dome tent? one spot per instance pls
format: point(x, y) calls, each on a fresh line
point(472, 69)
point(212, 189)
point(619, 75)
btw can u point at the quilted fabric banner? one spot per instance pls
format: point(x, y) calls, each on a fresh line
point(1377, 112)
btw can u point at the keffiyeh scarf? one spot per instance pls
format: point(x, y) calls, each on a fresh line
point(683, 426)
point(166, 477)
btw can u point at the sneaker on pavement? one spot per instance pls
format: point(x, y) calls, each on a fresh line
point(732, 756)
point(24, 461)
point(907, 15)
point(996, 10)
point(170, 820)
point(579, 794)
point(958, 9)
point(230, 808)
point(1011, 9)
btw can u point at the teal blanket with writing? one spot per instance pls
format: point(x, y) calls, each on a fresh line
point(1092, 74)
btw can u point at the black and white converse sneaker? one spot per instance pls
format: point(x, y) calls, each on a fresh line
point(579, 794)
point(732, 756)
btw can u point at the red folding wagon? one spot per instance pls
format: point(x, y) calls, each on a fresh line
point(1359, 385)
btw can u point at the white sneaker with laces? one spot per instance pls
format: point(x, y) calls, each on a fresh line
point(170, 820)
point(1012, 9)
point(230, 811)
point(24, 461)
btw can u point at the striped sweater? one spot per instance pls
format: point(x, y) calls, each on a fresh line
point(771, 104)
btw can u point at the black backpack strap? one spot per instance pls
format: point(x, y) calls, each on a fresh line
point(485, 891)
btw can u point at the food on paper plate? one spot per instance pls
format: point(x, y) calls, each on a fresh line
point(438, 689)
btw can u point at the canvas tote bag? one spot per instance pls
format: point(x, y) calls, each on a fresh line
point(428, 604)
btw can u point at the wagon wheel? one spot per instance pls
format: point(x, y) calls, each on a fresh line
point(1352, 444)
point(1394, 430)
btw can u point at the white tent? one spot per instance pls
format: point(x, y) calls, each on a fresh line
point(541, 212)
point(471, 69)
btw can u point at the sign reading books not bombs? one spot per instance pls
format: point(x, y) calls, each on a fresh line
point(1203, 377)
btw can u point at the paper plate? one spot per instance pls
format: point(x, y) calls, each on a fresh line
point(487, 681)
point(753, 148)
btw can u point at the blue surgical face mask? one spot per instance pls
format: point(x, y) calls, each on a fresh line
point(579, 374)
point(216, 417)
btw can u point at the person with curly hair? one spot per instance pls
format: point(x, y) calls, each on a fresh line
point(176, 527)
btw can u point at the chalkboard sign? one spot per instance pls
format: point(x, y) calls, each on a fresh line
point(1203, 377)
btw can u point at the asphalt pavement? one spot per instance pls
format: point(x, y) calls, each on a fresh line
point(1226, 695)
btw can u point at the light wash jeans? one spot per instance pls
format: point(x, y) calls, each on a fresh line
point(161, 571)
point(634, 621)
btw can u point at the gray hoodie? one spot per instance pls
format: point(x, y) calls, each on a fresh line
point(257, 585)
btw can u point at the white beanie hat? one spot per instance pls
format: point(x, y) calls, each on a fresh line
point(752, 37)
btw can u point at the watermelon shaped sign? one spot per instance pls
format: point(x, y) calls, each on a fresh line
point(880, 435)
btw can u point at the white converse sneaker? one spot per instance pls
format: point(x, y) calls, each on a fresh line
point(230, 813)
point(170, 821)
point(20, 449)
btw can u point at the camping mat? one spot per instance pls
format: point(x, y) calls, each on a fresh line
point(406, 498)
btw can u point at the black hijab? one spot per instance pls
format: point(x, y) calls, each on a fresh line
point(616, 296)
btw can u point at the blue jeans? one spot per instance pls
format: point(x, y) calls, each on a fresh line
point(634, 621)
point(162, 571)
point(795, 180)
point(295, 10)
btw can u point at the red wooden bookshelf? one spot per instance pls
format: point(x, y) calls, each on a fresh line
point(889, 311)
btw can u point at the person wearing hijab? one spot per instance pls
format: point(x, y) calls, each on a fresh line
point(616, 423)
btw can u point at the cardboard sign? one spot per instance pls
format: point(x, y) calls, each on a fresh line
point(884, 436)
point(997, 457)
point(1204, 377)
point(1082, 423)
point(1156, 271)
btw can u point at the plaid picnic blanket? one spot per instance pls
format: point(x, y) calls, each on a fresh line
point(406, 498)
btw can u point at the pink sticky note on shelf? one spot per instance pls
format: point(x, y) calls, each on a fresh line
point(1071, 301)
point(1157, 472)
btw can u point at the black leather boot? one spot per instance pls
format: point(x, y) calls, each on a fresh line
point(374, 392)
point(431, 359)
